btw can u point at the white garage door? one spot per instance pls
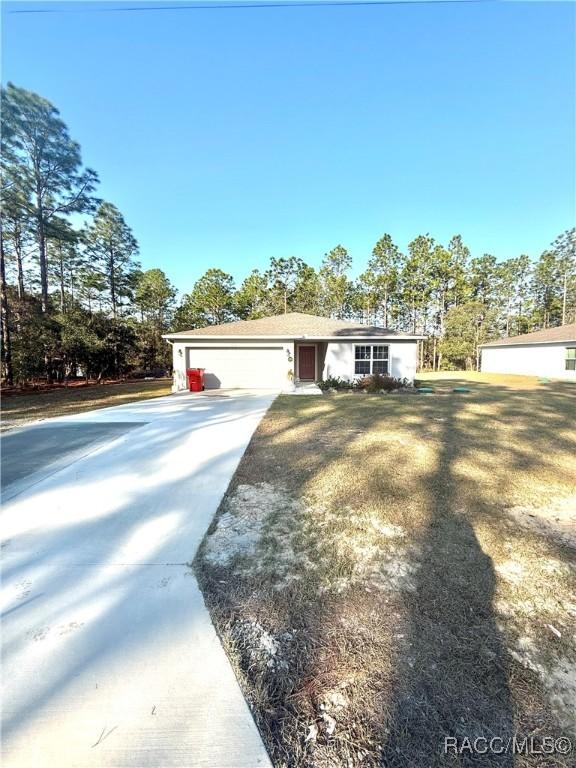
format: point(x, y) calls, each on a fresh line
point(241, 367)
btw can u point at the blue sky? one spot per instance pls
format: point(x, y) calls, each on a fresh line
point(228, 136)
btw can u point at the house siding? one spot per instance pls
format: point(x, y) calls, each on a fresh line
point(528, 360)
point(333, 358)
point(339, 359)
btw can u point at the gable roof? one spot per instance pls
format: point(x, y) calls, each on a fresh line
point(546, 336)
point(291, 325)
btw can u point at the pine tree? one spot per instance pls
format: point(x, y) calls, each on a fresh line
point(62, 257)
point(307, 295)
point(547, 290)
point(379, 282)
point(48, 163)
point(565, 248)
point(337, 289)
point(251, 301)
point(415, 279)
point(210, 302)
point(282, 277)
point(112, 248)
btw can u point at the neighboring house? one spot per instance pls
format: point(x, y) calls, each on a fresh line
point(551, 352)
point(275, 352)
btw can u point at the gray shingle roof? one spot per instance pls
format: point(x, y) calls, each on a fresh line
point(547, 335)
point(291, 325)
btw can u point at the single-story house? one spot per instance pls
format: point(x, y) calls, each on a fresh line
point(277, 352)
point(550, 352)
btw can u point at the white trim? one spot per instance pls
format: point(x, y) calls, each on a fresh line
point(527, 343)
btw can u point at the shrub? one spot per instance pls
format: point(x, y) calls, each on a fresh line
point(378, 382)
point(334, 382)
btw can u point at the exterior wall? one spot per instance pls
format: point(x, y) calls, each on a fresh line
point(339, 359)
point(528, 360)
point(180, 357)
point(179, 382)
point(332, 358)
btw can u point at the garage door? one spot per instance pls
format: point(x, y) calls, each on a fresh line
point(241, 367)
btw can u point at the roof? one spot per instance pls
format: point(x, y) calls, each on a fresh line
point(546, 336)
point(291, 325)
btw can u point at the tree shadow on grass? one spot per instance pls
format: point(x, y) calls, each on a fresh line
point(424, 663)
point(452, 692)
point(451, 679)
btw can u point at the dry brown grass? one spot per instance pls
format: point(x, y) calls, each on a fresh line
point(504, 381)
point(20, 409)
point(372, 588)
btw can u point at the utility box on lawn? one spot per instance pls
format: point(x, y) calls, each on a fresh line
point(195, 379)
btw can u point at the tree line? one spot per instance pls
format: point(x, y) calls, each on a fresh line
point(75, 301)
point(441, 291)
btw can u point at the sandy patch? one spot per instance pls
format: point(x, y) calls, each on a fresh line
point(561, 684)
point(239, 528)
point(262, 648)
point(557, 675)
point(537, 616)
point(264, 531)
point(556, 519)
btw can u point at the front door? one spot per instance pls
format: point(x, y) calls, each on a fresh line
point(307, 363)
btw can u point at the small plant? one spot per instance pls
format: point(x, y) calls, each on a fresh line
point(334, 382)
point(378, 382)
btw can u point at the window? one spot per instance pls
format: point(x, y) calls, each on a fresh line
point(370, 359)
point(571, 359)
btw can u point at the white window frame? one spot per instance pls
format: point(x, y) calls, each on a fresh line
point(570, 359)
point(372, 359)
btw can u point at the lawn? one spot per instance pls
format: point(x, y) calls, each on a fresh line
point(445, 380)
point(386, 571)
point(18, 409)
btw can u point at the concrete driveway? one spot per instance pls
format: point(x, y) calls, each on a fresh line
point(109, 656)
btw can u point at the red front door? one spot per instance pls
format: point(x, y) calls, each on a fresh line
point(307, 363)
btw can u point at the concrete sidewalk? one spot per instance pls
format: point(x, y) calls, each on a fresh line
point(109, 655)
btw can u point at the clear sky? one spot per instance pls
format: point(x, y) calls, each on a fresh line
point(227, 136)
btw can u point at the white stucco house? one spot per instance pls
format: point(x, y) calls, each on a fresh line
point(550, 352)
point(276, 352)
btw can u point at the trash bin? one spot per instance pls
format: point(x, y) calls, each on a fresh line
point(195, 379)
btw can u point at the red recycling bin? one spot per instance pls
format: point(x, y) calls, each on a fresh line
point(195, 379)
